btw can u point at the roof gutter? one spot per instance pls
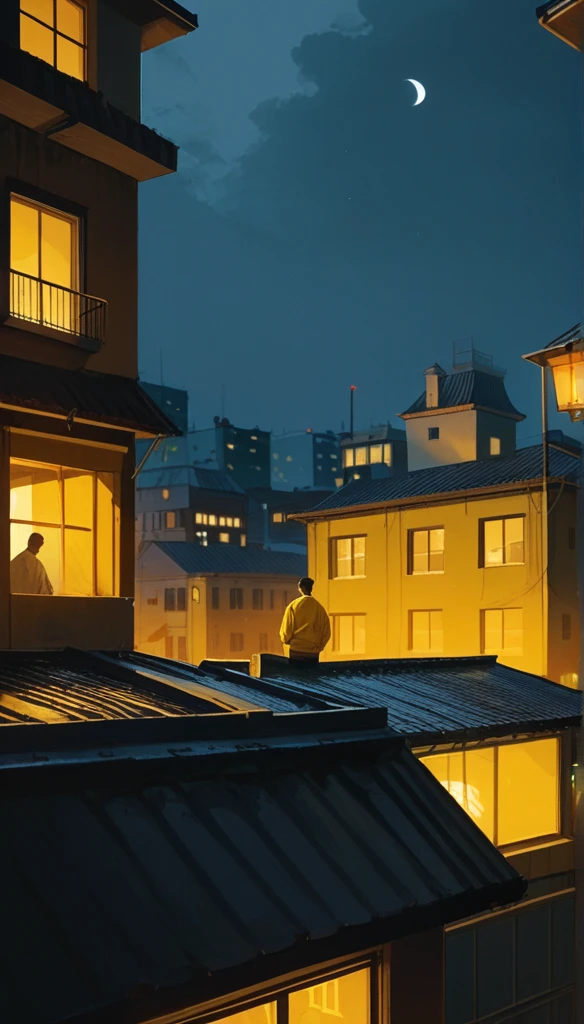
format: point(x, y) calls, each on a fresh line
point(445, 497)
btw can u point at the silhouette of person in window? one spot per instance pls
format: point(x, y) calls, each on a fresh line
point(27, 573)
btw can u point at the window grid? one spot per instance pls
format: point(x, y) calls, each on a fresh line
point(348, 634)
point(502, 631)
point(426, 631)
point(236, 598)
point(235, 642)
point(257, 598)
point(426, 551)
point(69, 54)
point(502, 541)
point(347, 557)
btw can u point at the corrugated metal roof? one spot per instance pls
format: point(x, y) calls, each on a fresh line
point(114, 888)
point(469, 387)
point(72, 686)
point(433, 698)
point(231, 560)
point(188, 476)
point(98, 397)
point(525, 464)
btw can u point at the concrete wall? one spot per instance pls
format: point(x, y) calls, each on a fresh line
point(387, 593)
point(118, 60)
point(106, 202)
point(457, 441)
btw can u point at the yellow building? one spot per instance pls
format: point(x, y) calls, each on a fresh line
point(471, 557)
point(220, 601)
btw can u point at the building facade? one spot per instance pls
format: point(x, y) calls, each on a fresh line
point(199, 506)
point(305, 458)
point(72, 152)
point(243, 453)
point(374, 454)
point(474, 558)
point(195, 603)
point(269, 518)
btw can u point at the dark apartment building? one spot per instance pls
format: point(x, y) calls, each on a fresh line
point(374, 453)
point(187, 503)
point(243, 453)
point(269, 522)
point(306, 458)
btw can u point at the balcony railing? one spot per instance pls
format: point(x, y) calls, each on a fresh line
point(61, 309)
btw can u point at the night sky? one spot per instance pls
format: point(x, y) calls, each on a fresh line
point(324, 232)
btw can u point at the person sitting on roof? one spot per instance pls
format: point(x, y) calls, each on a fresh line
point(305, 627)
point(27, 574)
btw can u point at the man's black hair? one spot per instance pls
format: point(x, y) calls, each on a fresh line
point(306, 584)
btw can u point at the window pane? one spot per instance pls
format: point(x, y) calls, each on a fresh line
point(265, 1014)
point(35, 493)
point(360, 456)
point(24, 238)
point(78, 574)
point(514, 540)
point(70, 58)
point(70, 20)
point(32, 578)
point(436, 632)
point(359, 634)
point(387, 454)
point(41, 9)
point(492, 631)
point(106, 535)
point(376, 453)
point(513, 630)
point(436, 559)
point(420, 630)
point(479, 788)
point(78, 494)
point(348, 457)
point(345, 623)
point(345, 998)
point(420, 551)
point(359, 556)
point(36, 39)
point(528, 790)
point(57, 250)
point(343, 557)
point(493, 540)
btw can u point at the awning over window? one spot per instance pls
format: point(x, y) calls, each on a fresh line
point(100, 398)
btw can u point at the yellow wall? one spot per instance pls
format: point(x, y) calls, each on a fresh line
point(457, 441)
point(387, 593)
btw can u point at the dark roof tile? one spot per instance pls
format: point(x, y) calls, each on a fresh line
point(232, 560)
point(469, 387)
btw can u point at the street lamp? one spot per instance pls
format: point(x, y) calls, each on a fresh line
point(565, 358)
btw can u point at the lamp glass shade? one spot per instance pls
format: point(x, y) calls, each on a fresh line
point(569, 385)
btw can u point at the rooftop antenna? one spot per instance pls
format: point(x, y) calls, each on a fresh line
point(352, 393)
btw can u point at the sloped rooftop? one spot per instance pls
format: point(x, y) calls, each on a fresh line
point(227, 559)
point(469, 388)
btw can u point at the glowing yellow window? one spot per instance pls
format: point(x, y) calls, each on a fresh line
point(64, 526)
point(55, 32)
point(348, 457)
point(426, 631)
point(375, 453)
point(264, 1014)
point(502, 630)
point(469, 777)
point(348, 557)
point(528, 790)
point(348, 634)
point(346, 998)
point(361, 456)
point(44, 265)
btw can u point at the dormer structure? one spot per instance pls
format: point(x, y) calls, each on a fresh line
point(461, 416)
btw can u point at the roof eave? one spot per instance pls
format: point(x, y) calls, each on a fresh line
point(426, 737)
point(548, 13)
point(518, 416)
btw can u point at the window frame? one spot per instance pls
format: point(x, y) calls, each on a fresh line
point(509, 652)
point(503, 519)
point(170, 605)
point(335, 617)
point(319, 975)
point(433, 433)
point(424, 611)
point(236, 599)
point(56, 34)
point(333, 557)
point(410, 551)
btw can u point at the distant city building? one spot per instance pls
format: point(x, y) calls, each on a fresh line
point(173, 401)
point(268, 519)
point(306, 458)
point(461, 416)
point(243, 453)
point(201, 506)
point(194, 603)
point(373, 454)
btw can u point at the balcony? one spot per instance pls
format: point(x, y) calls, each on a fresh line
point(57, 311)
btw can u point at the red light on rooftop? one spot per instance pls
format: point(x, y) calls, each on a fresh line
point(353, 388)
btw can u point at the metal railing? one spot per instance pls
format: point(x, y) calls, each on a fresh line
point(51, 305)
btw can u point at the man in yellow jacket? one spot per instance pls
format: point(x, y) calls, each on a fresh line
point(305, 627)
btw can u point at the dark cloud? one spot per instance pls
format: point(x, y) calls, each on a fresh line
point(361, 236)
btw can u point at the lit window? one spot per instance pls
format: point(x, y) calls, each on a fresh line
point(502, 630)
point(433, 433)
point(171, 521)
point(195, 595)
point(375, 453)
point(253, 450)
point(237, 523)
point(356, 476)
point(426, 551)
point(54, 31)
point(332, 455)
point(523, 776)
point(361, 456)
point(348, 557)
point(74, 511)
point(243, 540)
point(257, 600)
point(230, 466)
point(277, 517)
point(199, 517)
point(426, 631)
point(348, 634)
point(236, 598)
point(224, 538)
point(501, 541)
point(229, 521)
point(44, 266)
point(387, 454)
point(222, 521)
point(348, 457)
point(212, 520)
point(494, 446)
point(166, 494)
point(275, 456)
point(319, 455)
point(236, 641)
point(202, 538)
point(289, 458)
point(231, 447)
point(170, 599)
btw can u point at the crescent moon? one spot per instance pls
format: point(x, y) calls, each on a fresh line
point(420, 91)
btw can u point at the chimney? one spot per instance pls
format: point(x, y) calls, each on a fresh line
point(433, 375)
